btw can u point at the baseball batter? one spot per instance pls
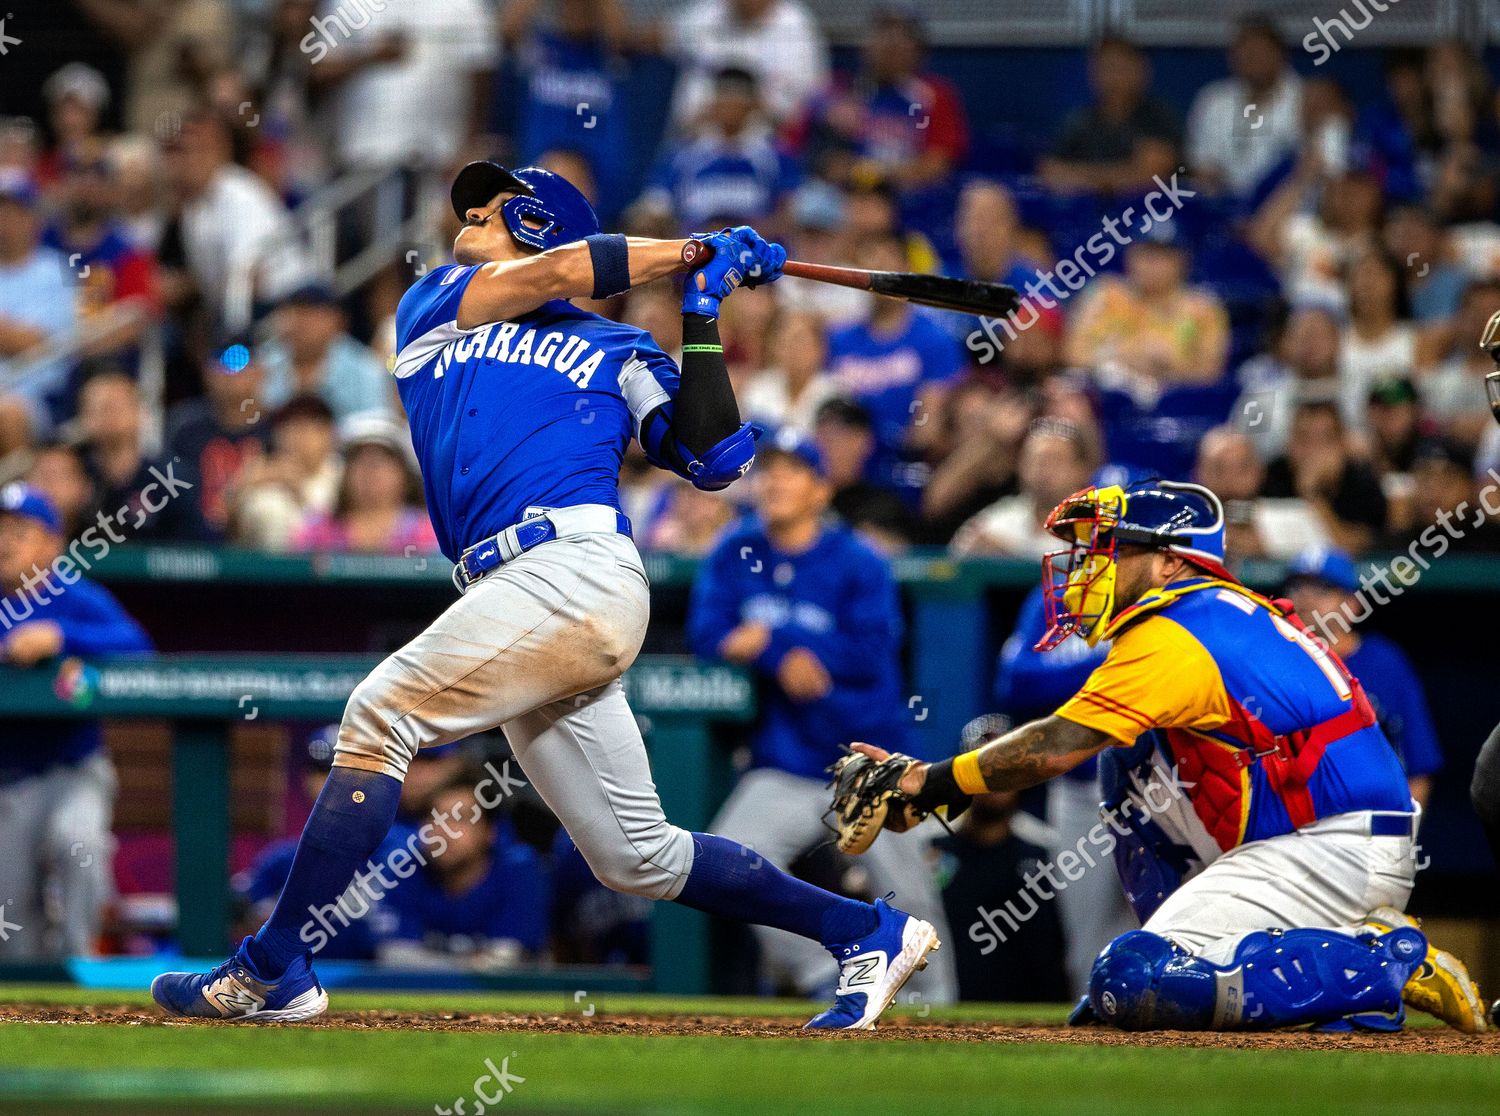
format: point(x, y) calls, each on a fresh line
point(1262, 825)
point(521, 406)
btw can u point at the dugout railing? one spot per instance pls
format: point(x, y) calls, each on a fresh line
point(677, 699)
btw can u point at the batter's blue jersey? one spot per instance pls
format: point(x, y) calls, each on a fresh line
point(513, 417)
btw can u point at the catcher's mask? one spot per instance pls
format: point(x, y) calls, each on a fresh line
point(1079, 582)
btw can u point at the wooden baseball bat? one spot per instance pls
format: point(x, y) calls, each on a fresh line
point(967, 296)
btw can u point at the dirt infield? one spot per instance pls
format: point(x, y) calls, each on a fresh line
point(1423, 1040)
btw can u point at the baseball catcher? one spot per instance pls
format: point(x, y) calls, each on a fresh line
point(1259, 818)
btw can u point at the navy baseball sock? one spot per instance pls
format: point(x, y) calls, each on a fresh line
point(350, 819)
point(729, 879)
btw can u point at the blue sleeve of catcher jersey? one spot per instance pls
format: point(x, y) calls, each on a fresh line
point(431, 302)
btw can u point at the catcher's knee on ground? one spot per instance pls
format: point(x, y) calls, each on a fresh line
point(652, 861)
point(1143, 981)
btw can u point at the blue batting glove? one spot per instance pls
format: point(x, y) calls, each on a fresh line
point(710, 283)
point(766, 260)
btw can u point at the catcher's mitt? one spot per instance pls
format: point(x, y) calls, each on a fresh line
point(867, 798)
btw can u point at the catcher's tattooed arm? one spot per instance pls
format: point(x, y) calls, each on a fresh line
point(1023, 757)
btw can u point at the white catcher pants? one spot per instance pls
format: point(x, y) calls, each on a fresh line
point(538, 647)
point(1327, 875)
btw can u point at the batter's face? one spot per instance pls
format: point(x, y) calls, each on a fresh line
point(484, 237)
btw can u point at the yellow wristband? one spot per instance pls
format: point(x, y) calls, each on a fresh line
point(967, 775)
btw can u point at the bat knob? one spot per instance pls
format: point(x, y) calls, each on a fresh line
point(695, 252)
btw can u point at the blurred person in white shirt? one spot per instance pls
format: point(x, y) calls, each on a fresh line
point(1240, 127)
point(790, 392)
point(778, 41)
point(411, 82)
point(1254, 526)
point(237, 236)
point(1056, 459)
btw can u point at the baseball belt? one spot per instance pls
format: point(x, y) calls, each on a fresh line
point(490, 554)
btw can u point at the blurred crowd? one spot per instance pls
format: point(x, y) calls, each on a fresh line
point(1271, 288)
point(1268, 288)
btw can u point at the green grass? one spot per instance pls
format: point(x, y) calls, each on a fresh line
point(119, 1068)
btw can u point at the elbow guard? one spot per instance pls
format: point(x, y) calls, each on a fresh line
point(725, 462)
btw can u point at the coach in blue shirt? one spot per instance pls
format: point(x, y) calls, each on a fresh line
point(1322, 582)
point(56, 786)
point(814, 612)
point(812, 609)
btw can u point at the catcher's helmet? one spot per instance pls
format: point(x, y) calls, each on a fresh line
point(1183, 519)
point(546, 212)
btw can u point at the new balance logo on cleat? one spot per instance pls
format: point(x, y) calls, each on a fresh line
point(233, 998)
point(861, 973)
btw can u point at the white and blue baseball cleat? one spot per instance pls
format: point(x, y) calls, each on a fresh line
point(234, 991)
point(873, 969)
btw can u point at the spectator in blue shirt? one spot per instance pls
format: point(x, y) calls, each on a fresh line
point(1322, 583)
point(814, 612)
point(311, 353)
point(731, 171)
point(482, 898)
point(573, 74)
point(37, 305)
point(57, 787)
point(899, 364)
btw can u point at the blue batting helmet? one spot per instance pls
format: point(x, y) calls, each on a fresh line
point(1186, 519)
point(547, 210)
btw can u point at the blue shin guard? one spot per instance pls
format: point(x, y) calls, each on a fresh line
point(1290, 978)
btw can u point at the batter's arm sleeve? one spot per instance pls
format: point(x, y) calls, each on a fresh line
point(1155, 676)
point(690, 423)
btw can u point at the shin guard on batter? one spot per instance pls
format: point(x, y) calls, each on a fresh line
point(1277, 978)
